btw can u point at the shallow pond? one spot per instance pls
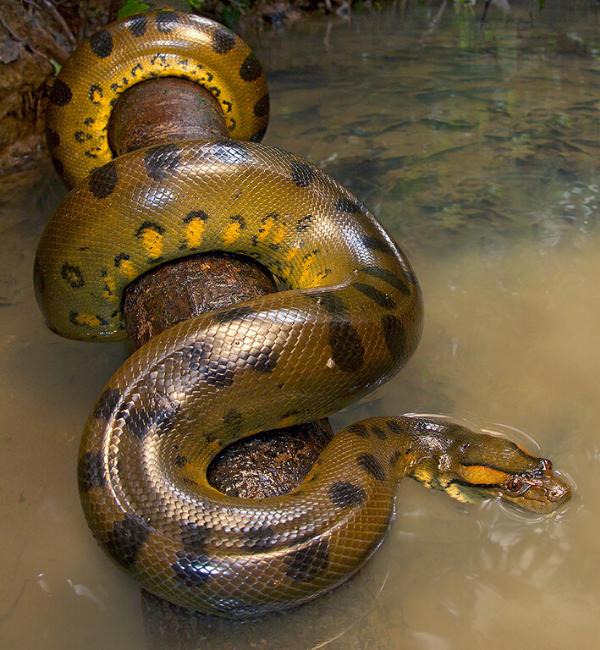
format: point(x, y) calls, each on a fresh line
point(478, 149)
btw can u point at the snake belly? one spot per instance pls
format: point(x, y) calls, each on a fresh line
point(349, 320)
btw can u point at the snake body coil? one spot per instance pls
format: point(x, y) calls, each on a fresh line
point(349, 319)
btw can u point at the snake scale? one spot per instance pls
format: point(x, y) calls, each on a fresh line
point(349, 319)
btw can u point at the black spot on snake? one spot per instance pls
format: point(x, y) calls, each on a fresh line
point(180, 460)
point(223, 40)
point(369, 464)
point(103, 181)
point(347, 349)
point(233, 313)
point(80, 136)
point(376, 244)
point(107, 403)
point(195, 357)
point(261, 109)
point(230, 152)
point(90, 471)
point(233, 419)
point(377, 296)
point(394, 333)
point(268, 217)
point(395, 427)
point(161, 58)
point(332, 303)
point(219, 373)
point(395, 457)
point(121, 257)
point(72, 275)
point(61, 94)
point(345, 204)
point(389, 277)
point(52, 138)
point(259, 540)
point(195, 214)
point(304, 223)
point(347, 495)
point(250, 69)
point(166, 21)
point(162, 161)
point(149, 225)
point(378, 432)
point(359, 430)
point(309, 562)
point(194, 536)
point(153, 420)
point(137, 25)
point(263, 360)
point(192, 569)
point(302, 174)
point(101, 43)
point(126, 539)
point(237, 218)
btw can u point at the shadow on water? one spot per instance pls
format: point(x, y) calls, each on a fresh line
point(478, 149)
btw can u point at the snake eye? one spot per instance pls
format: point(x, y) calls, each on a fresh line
point(514, 484)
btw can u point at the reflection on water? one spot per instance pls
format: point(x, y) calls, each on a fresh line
point(478, 150)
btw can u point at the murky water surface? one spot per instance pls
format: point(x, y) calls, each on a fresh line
point(479, 151)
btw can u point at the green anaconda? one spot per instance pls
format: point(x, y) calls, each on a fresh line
point(349, 319)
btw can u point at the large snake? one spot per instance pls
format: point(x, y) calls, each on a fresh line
point(349, 320)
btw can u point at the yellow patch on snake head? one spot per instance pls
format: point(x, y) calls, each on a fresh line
point(151, 235)
point(482, 475)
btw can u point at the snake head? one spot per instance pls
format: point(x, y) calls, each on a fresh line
point(480, 466)
point(540, 491)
